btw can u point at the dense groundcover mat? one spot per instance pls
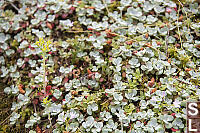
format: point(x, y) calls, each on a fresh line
point(105, 66)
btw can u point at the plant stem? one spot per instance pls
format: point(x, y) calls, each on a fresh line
point(44, 74)
point(49, 117)
point(179, 33)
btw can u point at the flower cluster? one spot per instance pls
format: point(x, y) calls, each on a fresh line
point(44, 46)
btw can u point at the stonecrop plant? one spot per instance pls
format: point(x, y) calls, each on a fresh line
point(98, 66)
point(44, 47)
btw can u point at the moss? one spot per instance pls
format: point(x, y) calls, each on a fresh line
point(112, 7)
point(5, 112)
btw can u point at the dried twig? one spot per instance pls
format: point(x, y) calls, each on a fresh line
point(105, 6)
point(7, 117)
point(166, 41)
point(13, 6)
point(186, 16)
point(86, 31)
point(179, 34)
